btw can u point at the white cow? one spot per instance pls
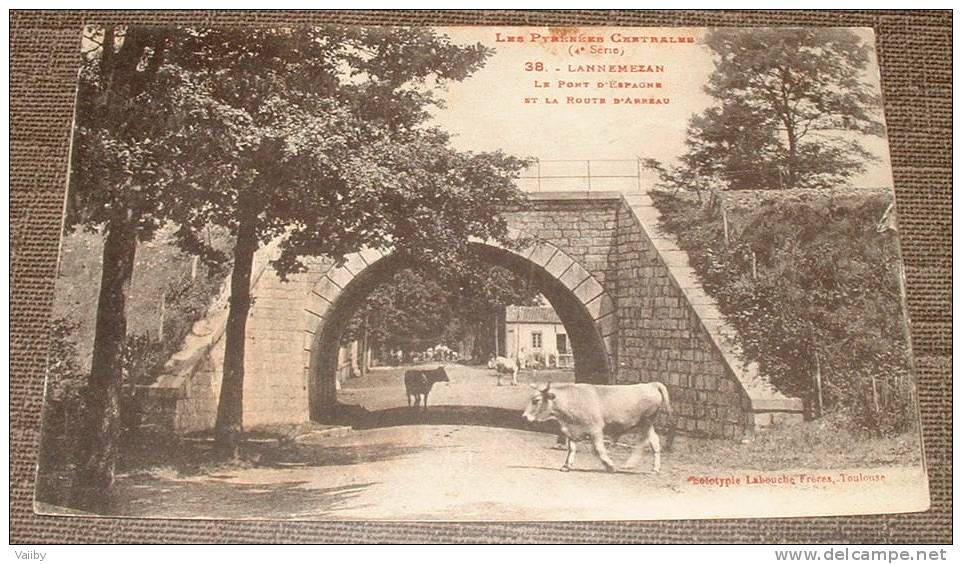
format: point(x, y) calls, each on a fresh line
point(586, 411)
point(505, 365)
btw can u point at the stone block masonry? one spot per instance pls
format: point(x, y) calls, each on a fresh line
point(672, 331)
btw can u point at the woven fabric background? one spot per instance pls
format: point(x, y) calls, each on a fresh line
point(915, 53)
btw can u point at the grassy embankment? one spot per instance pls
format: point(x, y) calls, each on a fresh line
point(810, 284)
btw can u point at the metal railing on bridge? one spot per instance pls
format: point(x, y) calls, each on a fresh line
point(593, 175)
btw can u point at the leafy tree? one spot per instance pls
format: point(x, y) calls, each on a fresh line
point(316, 136)
point(310, 133)
point(483, 293)
point(408, 312)
point(116, 185)
point(790, 105)
point(457, 301)
point(732, 143)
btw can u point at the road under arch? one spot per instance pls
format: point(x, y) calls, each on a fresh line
point(592, 360)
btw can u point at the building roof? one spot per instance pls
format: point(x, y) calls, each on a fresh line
point(526, 314)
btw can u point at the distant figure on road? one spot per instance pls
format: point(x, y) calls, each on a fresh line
point(418, 383)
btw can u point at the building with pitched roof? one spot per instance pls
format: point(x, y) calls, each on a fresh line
point(537, 336)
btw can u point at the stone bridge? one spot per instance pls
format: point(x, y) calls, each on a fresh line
point(632, 307)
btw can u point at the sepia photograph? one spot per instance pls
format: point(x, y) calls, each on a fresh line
point(339, 272)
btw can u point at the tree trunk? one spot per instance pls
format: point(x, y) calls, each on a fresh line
point(97, 448)
point(230, 406)
point(364, 348)
point(792, 154)
point(162, 317)
point(818, 385)
point(724, 215)
point(485, 341)
point(355, 354)
point(467, 343)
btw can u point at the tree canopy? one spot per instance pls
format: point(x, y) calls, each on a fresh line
point(320, 139)
point(454, 303)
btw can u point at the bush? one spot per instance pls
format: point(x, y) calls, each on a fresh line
point(187, 300)
point(64, 395)
point(810, 287)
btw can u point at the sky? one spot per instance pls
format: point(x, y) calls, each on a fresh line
point(487, 111)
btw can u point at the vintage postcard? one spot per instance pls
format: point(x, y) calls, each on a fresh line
point(479, 273)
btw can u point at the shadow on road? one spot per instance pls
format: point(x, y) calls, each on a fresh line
point(307, 454)
point(149, 495)
point(599, 470)
point(478, 415)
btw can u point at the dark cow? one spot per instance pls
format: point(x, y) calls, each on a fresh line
point(586, 411)
point(418, 383)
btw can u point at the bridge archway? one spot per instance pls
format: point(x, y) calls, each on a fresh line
point(581, 302)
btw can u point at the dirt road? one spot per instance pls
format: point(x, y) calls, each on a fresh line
point(383, 388)
point(488, 466)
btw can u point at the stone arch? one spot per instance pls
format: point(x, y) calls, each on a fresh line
point(583, 304)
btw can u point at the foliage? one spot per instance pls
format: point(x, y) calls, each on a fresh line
point(144, 352)
point(128, 146)
point(118, 184)
point(163, 274)
point(65, 378)
point(408, 312)
point(187, 299)
point(810, 286)
point(315, 134)
point(790, 105)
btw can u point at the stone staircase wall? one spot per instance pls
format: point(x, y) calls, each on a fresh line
point(673, 332)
